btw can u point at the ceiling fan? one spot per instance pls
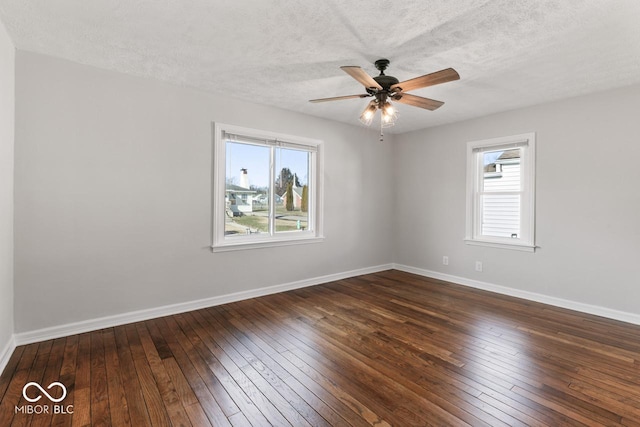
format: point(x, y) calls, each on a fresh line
point(386, 88)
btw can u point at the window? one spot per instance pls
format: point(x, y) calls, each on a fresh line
point(266, 189)
point(500, 192)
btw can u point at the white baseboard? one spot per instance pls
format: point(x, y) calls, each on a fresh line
point(167, 310)
point(6, 352)
point(531, 296)
point(140, 315)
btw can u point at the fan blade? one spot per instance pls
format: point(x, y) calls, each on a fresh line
point(436, 78)
point(418, 101)
point(338, 98)
point(360, 75)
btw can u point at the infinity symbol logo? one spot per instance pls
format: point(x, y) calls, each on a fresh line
point(43, 391)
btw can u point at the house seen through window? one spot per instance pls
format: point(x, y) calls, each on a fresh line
point(501, 193)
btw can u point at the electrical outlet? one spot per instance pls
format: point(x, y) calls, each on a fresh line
point(445, 260)
point(479, 266)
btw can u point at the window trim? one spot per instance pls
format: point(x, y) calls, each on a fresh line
point(316, 197)
point(475, 171)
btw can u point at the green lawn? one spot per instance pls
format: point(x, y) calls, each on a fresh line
point(260, 223)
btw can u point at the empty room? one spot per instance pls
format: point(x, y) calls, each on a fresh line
point(409, 213)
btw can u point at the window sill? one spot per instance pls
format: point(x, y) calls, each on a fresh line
point(501, 245)
point(255, 243)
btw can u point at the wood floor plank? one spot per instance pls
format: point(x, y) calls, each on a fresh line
point(100, 415)
point(9, 370)
point(232, 362)
point(199, 385)
point(36, 374)
point(155, 405)
point(259, 354)
point(138, 413)
point(231, 388)
point(239, 420)
point(304, 384)
point(82, 386)
point(359, 365)
point(340, 393)
point(381, 349)
point(361, 360)
point(172, 404)
point(52, 375)
point(67, 378)
point(16, 378)
point(118, 404)
point(222, 405)
point(187, 397)
point(295, 409)
point(197, 416)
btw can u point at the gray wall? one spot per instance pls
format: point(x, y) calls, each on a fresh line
point(113, 196)
point(588, 201)
point(7, 92)
point(113, 204)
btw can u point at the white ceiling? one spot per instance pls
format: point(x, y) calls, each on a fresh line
point(509, 53)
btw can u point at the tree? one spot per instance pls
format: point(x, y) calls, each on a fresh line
point(289, 203)
point(283, 180)
point(304, 204)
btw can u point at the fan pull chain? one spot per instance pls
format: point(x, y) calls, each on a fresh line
point(381, 132)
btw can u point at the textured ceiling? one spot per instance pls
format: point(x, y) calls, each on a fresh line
point(509, 53)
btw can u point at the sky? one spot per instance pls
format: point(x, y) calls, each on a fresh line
point(255, 159)
point(491, 156)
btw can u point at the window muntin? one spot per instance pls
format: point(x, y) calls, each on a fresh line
point(500, 192)
point(255, 174)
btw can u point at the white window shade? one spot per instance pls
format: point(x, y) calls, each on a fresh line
point(247, 139)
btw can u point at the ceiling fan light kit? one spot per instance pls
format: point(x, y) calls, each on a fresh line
point(367, 115)
point(385, 88)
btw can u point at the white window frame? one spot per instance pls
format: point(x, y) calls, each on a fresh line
point(475, 175)
point(222, 133)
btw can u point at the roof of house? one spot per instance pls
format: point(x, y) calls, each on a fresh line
point(237, 189)
point(506, 155)
point(296, 190)
point(509, 154)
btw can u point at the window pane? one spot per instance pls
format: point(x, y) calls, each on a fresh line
point(501, 215)
point(501, 198)
point(292, 190)
point(502, 170)
point(246, 189)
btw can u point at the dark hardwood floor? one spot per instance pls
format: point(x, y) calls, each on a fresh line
point(382, 349)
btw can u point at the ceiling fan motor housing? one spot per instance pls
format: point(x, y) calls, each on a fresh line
point(383, 80)
point(386, 81)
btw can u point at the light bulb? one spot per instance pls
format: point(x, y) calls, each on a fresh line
point(389, 115)
point(367, 115)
